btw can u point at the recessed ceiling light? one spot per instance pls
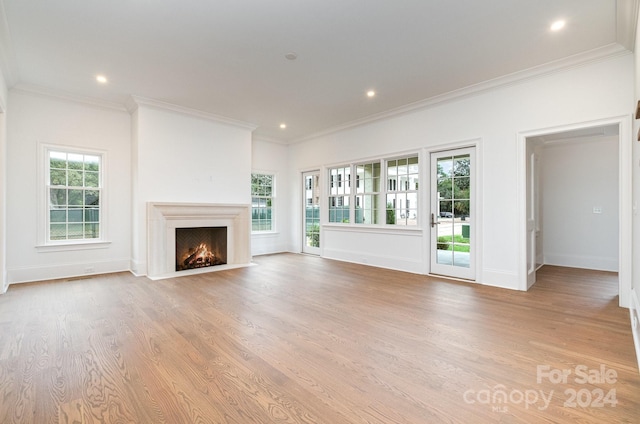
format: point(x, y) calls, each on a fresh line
point(291, 55)
point(283, 126)
point(371, 93)
point(101, 79)
point(558, 25)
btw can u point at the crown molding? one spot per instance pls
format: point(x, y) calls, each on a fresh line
point(134, 102)
point(626, 22)
point(7, 55)
point(48, 92)
point(581, 59)
point(268, 140)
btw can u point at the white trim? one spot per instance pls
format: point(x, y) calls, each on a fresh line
point(471, 272)
point(135, 101)
point(274, 193)
point(581, 59)
point(400, 230)
point(396, 263)
point(59, 95)
point(476, 143)
point(42, 231)
point(634, 315)
point(68, 270)
point(163, 219)
point(625, 198)
point(73, 245)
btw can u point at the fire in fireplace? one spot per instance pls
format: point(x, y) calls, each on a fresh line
point(200, 247)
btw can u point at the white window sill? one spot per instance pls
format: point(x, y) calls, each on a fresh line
point(376, 228)
point(265, 234)
point(72, 245)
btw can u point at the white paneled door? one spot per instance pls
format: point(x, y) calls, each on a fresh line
point(452, 215)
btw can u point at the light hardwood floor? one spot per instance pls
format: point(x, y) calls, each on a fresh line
point(300, 339)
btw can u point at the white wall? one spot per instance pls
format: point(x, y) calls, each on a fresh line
point(184, 158)
point(4, 282)
point(595, 91)
point(272, 158)
point(36, 119)
point(577, 177)
point(636, 167)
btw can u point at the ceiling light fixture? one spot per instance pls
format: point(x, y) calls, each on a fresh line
point(101, 79)
point(557, 25)
point(371, 93)
point(291, 55)
point(283, 126)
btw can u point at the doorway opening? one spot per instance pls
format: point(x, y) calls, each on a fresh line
point(575, 199)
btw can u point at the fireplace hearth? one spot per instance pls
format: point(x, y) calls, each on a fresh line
point(200, 247)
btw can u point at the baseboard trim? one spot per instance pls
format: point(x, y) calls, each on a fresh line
point(55, 272)
point(634, 312)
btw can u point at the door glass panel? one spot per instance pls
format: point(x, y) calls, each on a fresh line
point(453, 227)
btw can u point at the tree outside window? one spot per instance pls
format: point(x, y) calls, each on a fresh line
point(262, 197)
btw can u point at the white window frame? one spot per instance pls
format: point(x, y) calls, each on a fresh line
point(336, 190)
point(44, 243)
point(274, 181)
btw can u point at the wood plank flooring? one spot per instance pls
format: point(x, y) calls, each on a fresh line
point(300, 339)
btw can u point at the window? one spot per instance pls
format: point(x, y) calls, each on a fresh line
point(74, 194)
point(262, 196)
point(402, 191)
point(367, 193)
point(339, 194)
point(385, 192)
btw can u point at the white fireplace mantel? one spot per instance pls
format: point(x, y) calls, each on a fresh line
point(164, 218)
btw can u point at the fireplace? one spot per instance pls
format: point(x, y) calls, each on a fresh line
point(200, 247)
point(165, 253)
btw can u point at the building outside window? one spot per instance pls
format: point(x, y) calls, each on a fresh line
point(339, 194)
point(262, 199)
point(402, 191)
point(367, 193)
point(74, 196)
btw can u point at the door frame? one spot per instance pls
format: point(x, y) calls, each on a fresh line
point(625, 198)
point(477, 208)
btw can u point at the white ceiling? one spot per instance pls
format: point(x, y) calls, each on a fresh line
point(227, 57)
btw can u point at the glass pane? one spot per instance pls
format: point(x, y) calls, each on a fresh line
point(75, 231)
point(461, 209)
point(92, 198)
point(375, 185)
point(91, 179)
point(413, 181)
point(57, 160)
point(58, 215)
point(462, 166)
point(445, 188)
point(58, 231)
point(91, 230)
point(446, 209)
point(76, 197)
point(58, 177)
point(461, 187)
point(445, 167)
point(58, 197)
point(75, 161)
point(75, 215)
point(91, 163)
point(75, 178)
point(390, 214)
point(91, 215)
point(413, 165)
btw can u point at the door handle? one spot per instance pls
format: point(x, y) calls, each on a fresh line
point(433, 220)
